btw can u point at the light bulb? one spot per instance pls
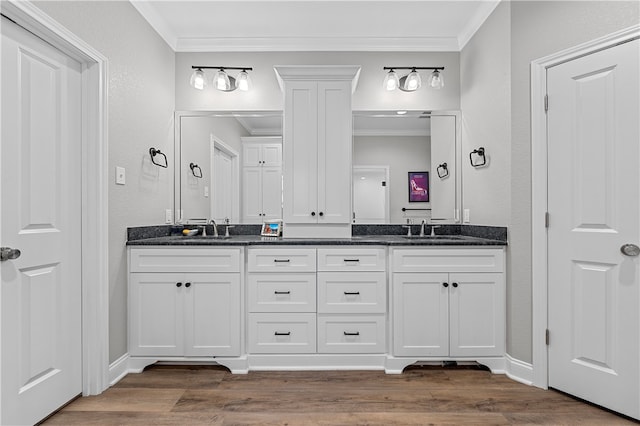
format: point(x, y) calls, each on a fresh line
point(436, 80)
point(221, 80)
point(198, 80)
point(243, 82)
point(391, 81)
point(413, 81)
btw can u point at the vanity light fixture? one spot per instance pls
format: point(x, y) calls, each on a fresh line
point(221, 80)
point(412, 81)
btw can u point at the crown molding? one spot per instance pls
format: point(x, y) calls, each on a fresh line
point(156, 21)
point(317, 44)
point(474, 24)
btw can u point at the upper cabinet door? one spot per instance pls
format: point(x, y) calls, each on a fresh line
point(272, 155)
point(334, 152)
point(300, 146)
point(251, 154)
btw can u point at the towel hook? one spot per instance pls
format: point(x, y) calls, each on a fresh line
point(481, 154)
point(193, 168)
point(153, 152)
point(445, 170)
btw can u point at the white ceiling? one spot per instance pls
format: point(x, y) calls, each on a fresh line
point(315, 25)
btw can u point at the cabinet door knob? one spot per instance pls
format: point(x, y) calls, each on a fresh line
point(321, 213)
point(187, 285)
point(178, 284)
point(313, 213)
point(455, 284)
point(445, 285)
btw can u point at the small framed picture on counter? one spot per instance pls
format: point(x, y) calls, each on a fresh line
point(272, 229)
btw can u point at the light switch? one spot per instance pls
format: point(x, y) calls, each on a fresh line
point(120, 176)
point(206, 191)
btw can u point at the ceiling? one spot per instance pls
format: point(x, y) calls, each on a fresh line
point(315, 25)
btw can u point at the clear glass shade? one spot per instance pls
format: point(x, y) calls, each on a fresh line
point(221, 81)
point(413, 81)
point(243, 82)
point(198, 80)
point(391, 81)
point(436, 80)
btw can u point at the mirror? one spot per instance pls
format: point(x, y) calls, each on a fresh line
point(230, 166)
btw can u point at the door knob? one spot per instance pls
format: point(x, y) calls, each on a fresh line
point(626, 249)
point(7, 253)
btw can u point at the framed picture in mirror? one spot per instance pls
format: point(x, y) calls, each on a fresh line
point(418, 187)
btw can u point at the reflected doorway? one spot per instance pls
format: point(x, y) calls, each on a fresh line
point(370, 194)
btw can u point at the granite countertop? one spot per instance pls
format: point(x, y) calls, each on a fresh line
point(250, 240)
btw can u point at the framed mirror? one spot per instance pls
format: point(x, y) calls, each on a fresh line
point(231, 166)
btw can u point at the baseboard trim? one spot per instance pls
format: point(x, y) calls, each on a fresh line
point(519, 371)
point(118, 369)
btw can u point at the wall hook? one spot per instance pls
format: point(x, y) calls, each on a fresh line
point(193, 168)
point(443, 170)
point(480, 154)
point(153, 152)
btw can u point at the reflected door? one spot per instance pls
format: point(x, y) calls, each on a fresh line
point(594, 207)
point(370, 194)
point(223, 186)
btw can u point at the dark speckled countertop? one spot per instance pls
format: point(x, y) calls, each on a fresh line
point(387, 235)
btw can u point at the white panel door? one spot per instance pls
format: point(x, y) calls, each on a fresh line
point(443, 150)
point(212, 314)
point(594, 206)
point(420, 314)
point(40, 293)
point(271, 193)
point(370, 194)
point(223, 186)
point(272, 155)
point(252, 195)
point(300, 150)
point(334, 152)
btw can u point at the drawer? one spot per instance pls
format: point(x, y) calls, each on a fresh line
point(351, 259)
point(184, 259)
point(282, 292)
point(281, 333)
point(352, 292)
point(448, 260)
point(351, 334)
point(281, 260)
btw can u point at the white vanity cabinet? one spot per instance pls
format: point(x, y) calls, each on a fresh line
point(352, 300)
point(448, 302)
point(261, 179)
point(184, 302)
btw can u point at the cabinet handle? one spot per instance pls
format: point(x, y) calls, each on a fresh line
point(351, 293)
point(178, 284)
point(282, 260)
point(455, 285)
point(445, 285)
point(282, 292)
point(313, 213)
point(347, 333)
point(352, 260)
point(321, 214)
point(282, 333)
point(187, 285)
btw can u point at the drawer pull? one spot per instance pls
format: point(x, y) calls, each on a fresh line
point(282, 260)
point(282, 333)
point(352, 260)
point(348, 333)
point(282, 292)
point(351, 293)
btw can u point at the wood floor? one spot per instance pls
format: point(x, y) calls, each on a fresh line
point(180, 395)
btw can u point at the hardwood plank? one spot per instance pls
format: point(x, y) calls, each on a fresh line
point(599, 418)
point(103, 418)
point(133, 399)
point(175, 377)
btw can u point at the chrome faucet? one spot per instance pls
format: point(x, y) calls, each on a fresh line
point(215, 227)
point(424, 222)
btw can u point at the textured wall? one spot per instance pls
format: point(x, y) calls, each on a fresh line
point(141, 104)
point(266, 94)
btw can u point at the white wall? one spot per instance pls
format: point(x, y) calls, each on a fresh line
point(402, 154)
point(141, 105)
point(266, 94)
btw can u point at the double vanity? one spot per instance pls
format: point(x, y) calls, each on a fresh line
point(366, 302)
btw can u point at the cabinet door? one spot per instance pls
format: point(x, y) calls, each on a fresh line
point(212, 314)
point(477, 317)
point(251, 154)
point(271, 193)
point(300, 150)
point(156, 314)
point(252, 195)
point(335, 135)
point(272, 155)
point(420, 314)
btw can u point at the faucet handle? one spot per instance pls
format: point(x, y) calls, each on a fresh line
point(433, 230)
point(408, 229)
point(226, 231)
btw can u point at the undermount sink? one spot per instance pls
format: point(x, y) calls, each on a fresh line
point(434, 237)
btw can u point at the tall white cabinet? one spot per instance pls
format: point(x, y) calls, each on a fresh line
point(317, 149)
point(261, 179)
